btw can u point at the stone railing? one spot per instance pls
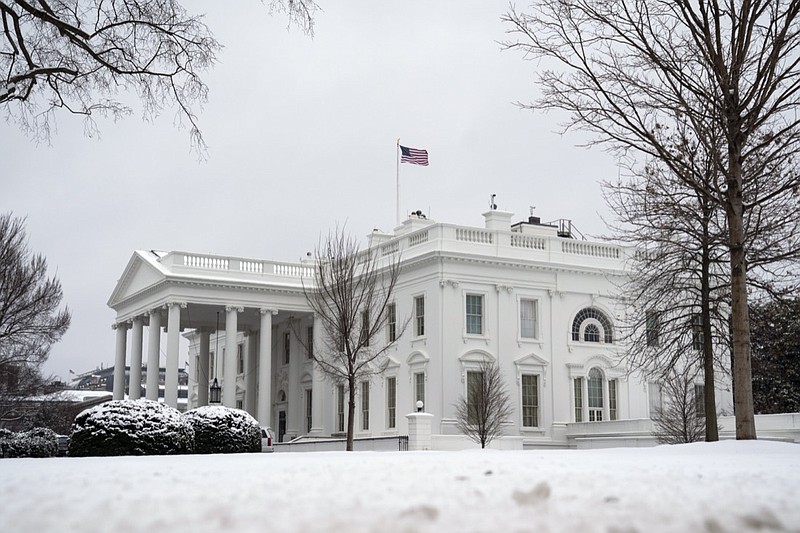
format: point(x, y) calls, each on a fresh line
point(234, 265)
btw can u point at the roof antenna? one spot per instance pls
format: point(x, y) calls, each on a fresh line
point(492, 205)
point(532, 207)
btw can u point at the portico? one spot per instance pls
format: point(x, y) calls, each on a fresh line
point(176, 292)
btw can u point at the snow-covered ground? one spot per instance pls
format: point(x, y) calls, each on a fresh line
point(721, 487)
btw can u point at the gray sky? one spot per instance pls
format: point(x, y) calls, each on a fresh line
point(302, 136)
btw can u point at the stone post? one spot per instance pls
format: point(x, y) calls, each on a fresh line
point(419, 431)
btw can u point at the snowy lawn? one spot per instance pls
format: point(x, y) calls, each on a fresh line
point(721, 487)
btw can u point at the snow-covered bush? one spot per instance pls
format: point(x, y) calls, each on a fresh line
point(130, 427)
point(220, 429)
point(38, 442)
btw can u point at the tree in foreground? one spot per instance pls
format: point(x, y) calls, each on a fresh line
point(682, 419)
point(30, 318)
point(352, 299)
point(481, 414)
point(631, 70)
point(776, 356)
point(78, 55)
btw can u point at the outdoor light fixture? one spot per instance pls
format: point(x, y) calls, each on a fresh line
point(216, 392)
point(419, 406)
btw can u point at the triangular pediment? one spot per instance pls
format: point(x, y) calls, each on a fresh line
point(390, 362)
point(139, 275)
point(530, 360)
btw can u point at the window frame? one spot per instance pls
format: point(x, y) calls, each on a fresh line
point(391, 402)
point(391, 322)
point(534, 407)
point(287, 347)
point(419, 318)
point(340, 411)
point(534, 320)
point(364, 389)
point(480, 315)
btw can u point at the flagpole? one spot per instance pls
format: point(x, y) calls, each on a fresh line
point(397, 192)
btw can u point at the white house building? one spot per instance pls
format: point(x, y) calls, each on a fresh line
point(527, 296)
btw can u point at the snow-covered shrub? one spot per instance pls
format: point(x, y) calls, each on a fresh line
point(38, 442)
point(220, 429)
point(130, 427)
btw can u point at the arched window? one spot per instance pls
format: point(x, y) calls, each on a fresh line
point(595, 390)
point(592, 325)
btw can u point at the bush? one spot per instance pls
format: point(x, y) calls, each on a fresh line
point(130, 427)
point(38, 442)
point(220, 429)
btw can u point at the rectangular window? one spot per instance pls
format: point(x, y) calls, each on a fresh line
point(578, 392)
point(530, 400)
point(287, 340)
point(612, 399)
point(419, 316)
point(652, 327)
point(391, 322)
point(340, 408)
point(365, 405)
point(474, 396)
point(528, 319)
point(474, 314)
point(391, 402)
point(365, 333)
point(309, 397)
point(239, 404)
point(700, 400)
point(654, 398)
point(697, 331)
point(240, 359)
point(310, 342)
point(594, 392)
point(419, 388)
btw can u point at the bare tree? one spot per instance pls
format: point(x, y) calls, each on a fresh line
point(481, 414)
point(632, 69)
point(351, 297)
point(682, 418)
point(76, 55)
point(30, 320)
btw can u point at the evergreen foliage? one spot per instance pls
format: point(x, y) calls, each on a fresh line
point(776, 356)
point(38, 442)
point(130, 427)
point(220, 429)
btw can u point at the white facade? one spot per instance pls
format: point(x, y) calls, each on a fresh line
point(539, 303)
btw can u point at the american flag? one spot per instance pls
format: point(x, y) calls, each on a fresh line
point(414, 156)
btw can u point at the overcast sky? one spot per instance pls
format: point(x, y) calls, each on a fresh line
point(302, 136)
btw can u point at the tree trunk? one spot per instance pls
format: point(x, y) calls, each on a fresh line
point(709, 398)
point(351, 409)
point(742, 374)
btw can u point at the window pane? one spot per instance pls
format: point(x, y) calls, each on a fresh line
point(419, 385)
point(530, 400)
point(474, 396)
point(612, 399)
point(591, 333)
point(392, 322)
point(595, 389)
point(340, 409)
point(474, 314)
point(419, 314)
point(391, 401)
point(700, 400)
point(365, 405)
point(527, 319)
point(578, 389)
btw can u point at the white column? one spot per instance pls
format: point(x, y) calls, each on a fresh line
point(585, 398)
point(250, 372)
point(173, 345)
point(135, 386)
point(202, 367)
point(317, 386)
point(153, 353)
point(264, 408)
point(606, 402)
point(119, 361)
point(229, 372)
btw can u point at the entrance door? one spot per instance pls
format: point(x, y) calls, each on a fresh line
point(281, 425)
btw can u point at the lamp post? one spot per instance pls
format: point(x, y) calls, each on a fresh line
point(420, 405)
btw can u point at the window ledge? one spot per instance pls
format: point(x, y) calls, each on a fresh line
point(532, 431)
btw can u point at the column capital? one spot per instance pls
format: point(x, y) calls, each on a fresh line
point(118, 325)
point(265, 310)
point(230, 308)
point(182, 305)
